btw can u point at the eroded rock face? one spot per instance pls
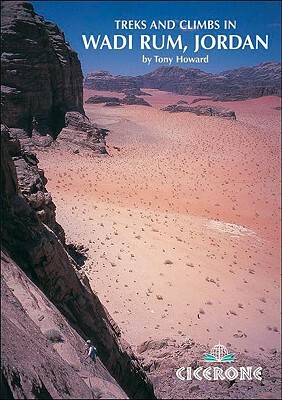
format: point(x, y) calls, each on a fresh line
point(41, 74)
point(81, 134)
point(39, 253)
point(24, 346)
point(31, 182)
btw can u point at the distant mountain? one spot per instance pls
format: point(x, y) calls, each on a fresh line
point(103, 80)
point(237, 84)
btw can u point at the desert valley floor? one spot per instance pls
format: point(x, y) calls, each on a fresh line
point(181, 219)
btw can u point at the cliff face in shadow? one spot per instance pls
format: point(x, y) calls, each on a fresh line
point(35, 248)
point(41, 74)
point(41, 80)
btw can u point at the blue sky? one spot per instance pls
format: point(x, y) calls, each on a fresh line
point(97, 17)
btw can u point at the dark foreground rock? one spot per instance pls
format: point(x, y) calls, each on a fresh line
point(36, 250)
point(31, 182)
point(202, 110)
point(42, 356)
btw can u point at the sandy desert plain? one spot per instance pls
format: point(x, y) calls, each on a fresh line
point(182, 219)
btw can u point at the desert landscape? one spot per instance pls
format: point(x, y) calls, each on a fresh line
point(140, 220)
point(181, 219)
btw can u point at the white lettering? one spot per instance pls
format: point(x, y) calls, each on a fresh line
point(196, 373)
point(245, 372)
point(257, 373)
point(231, 373)
point(179, 372)
point(207, 373)
point(218, 374)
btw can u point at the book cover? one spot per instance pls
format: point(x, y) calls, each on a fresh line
point(141, 201)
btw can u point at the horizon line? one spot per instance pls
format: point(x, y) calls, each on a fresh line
point(185, 68)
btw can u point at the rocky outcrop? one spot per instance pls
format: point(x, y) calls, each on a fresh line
point(133, 100)
point(103, 80)
point(136, 92)
point(41, 75)
point(202, 110)
point(111, 104)
point(238, 84)
point(113, 101)
point(31, 182)
point(38, 252)
point(102, 99)
point(80, 134)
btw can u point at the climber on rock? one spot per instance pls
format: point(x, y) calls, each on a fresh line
point(91, 350)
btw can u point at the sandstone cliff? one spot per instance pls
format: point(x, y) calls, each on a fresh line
point(43, 357)
point(41, 77)
point(35, 248)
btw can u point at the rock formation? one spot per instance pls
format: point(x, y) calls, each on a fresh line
point(103, 80)
point(202, 110)
point(31, 182)
point(81, 134)
point(42, 355)
point(35, 248)
point(135, 92)
point(41, 75)
point(111, 104)
point(238, 84)
point(102, 99)
point(133, 100)
point(129, 99)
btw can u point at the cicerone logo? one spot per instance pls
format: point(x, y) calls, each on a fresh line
point(219, 354)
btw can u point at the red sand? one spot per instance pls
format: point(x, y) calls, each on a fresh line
point(183, 222)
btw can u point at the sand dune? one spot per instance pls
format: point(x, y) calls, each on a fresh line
point(181, 221)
